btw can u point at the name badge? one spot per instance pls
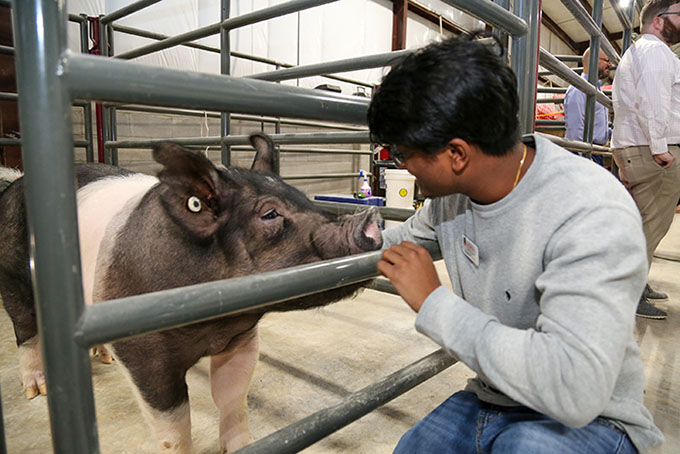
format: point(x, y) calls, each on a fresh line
point(471, 251)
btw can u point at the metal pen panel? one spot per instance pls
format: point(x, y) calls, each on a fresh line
point(350, 64)
point(229, 24)
point(492, 14)
point(225, 69)
point(309, 430)
point(115, 80)
point(45, 116)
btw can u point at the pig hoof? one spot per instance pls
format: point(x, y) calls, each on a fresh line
point(31, 392)
point(42, 388)
point(103, 354)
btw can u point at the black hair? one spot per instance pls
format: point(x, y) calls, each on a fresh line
point(456, 88)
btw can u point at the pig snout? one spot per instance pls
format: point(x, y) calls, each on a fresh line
point(366, 235)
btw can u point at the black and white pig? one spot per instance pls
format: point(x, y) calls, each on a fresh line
point(195, 222)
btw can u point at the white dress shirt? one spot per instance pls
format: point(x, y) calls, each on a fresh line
point(646, 96)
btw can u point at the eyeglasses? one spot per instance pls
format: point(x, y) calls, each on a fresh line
point(668, 13)
point(399, 157)
point(605, 59)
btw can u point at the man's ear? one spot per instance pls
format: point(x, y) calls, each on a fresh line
point(459, 153)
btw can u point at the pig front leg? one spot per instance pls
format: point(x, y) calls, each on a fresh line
point(230, 375)
point(31, 368)
point(160, 387)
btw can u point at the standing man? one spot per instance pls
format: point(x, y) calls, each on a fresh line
point(546, 273)
point(646, 135)
point(575, 108)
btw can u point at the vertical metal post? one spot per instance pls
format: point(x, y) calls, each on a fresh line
point(225, 68)
point(106, 111)
point(47, 148)
point(87, 110)
point(113, 118)
point(628, 32)
point(502, 36)
point(524, 61)
point(593, 70)
point(3, 444)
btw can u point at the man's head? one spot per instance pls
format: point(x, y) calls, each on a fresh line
point(457, 88)
point(603, 64)
point(661, 18)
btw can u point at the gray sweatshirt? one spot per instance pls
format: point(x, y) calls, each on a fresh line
point(545, 286)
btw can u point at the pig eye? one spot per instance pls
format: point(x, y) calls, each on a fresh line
point(194, 204)
point(271, 214)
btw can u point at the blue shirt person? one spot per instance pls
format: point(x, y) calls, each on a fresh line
point(575, 108)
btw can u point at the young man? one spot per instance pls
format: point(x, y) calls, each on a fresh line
point(546, 272)
point(646, 138)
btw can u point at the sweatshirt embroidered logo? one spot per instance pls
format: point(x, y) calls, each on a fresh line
point(470, 250)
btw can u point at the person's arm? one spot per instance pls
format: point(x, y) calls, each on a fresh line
point(418, 227)
point(567, 366)
point(653, 93)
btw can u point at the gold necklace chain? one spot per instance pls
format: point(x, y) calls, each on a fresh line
point(521, 163)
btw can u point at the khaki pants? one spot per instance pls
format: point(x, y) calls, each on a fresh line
point(656, 190)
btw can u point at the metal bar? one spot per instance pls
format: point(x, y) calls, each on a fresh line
point(582, 17)
point(287, 139)
point(593, 76)
point(45, 115)
point(6, 50)
point(625, 21)
point(338, 151)
point(492, 14)
point(5, 142)
point(126, 11)
point(127, 317)
point(389, 213)
point(349, 64)
point(225, 69)
point(628, 31)
point(5, 96)
point(524, 62)
point(112, 80)
point(383, 285)
point(321, 176)
point(549, 122)
point(573, 144)
point(552, 90)
point(313, 428)
point(77, 18)
point(229, 24)
point(569, 58)
point(577, 70)
point(550, 100)
point(563, 71)
point(256, 118)
point(159, 37)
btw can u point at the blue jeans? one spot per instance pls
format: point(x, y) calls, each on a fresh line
point(464, 424)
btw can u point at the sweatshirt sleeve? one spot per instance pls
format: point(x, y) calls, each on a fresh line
point(417, 228)
point(567, 365)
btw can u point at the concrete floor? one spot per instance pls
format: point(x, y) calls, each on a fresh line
point(311, 360)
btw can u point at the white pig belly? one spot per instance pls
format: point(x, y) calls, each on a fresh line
point(98, 204)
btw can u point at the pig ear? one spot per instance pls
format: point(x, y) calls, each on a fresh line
point(189, 194)
point(267, 156)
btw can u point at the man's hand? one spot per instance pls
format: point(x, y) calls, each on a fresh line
point(410, 269)
point(664, 159)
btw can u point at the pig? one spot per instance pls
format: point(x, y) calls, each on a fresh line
point(195, 222)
